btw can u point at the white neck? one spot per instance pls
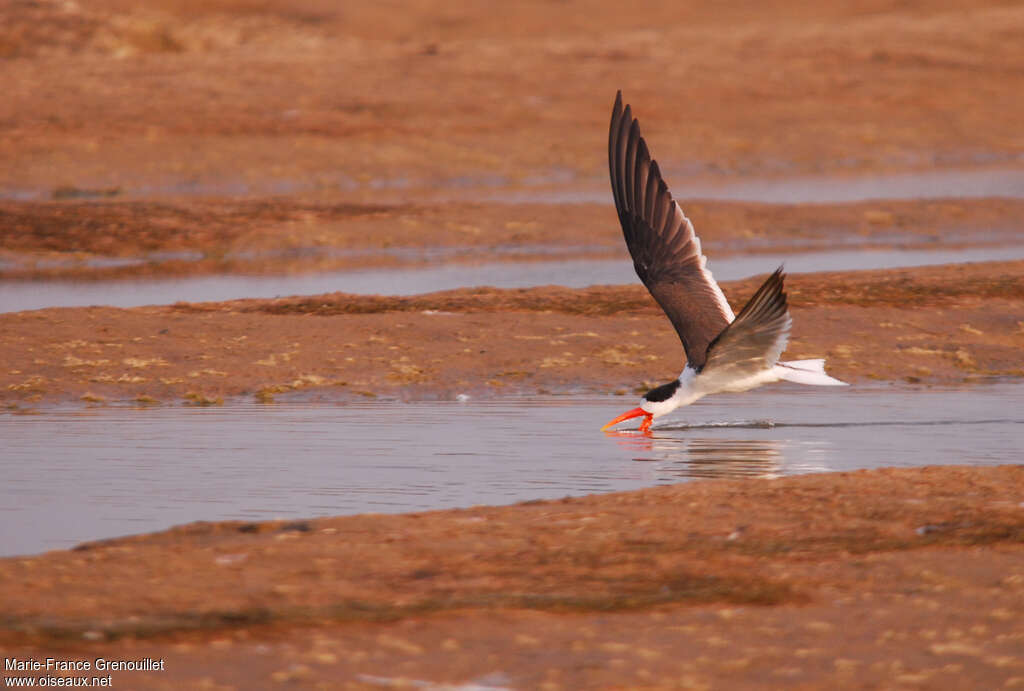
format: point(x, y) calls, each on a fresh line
point(687, 393)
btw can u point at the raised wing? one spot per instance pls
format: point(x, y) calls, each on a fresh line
point(666, 251)
point(754, 342)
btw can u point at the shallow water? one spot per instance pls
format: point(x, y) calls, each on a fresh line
point(562, 185)
point(820, 189)
point(27, 295)
point(74, 475)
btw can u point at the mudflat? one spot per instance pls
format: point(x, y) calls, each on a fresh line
point(228, 98)
point(871, 579)
point(944, 324)
point(91, 240)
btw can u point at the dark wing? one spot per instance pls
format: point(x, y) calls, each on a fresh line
point(755, 340)
point(666, 251)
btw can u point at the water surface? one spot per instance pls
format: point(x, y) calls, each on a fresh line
point(74, 475)
point(803, 189)
point(574, 273)
point(563, 185)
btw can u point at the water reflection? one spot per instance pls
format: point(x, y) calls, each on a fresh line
point(705, 457)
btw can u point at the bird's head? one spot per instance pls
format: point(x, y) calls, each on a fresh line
point(654, 402)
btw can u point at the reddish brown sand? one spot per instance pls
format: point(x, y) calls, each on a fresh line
point(881, 579)
point(70, 239)
point(372, 101)
point(932, 325)
point(241, 131)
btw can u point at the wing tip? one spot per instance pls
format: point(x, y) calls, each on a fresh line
point(617, 107)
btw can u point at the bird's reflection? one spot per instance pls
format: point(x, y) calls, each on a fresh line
point(705, 457)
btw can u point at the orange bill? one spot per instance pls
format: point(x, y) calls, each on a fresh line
point(636, 412)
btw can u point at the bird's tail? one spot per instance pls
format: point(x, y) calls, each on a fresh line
point(806, 372)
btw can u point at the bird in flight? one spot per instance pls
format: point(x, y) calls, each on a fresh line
point(724, 352)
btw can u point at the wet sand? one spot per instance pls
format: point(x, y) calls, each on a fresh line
point(260, 97)
point(873, 579)
point(258, 136)
point(95, 240)
point(946, 324)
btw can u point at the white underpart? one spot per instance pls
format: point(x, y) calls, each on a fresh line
point(806, 372)
point(723, 304)
point(693, 387)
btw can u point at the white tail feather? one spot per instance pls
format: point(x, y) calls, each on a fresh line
point(806, 372)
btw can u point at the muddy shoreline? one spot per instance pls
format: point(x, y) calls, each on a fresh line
point(912, 576)
point(942, 324)
point(133, 239)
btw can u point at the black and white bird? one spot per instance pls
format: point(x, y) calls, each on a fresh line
point(724, 352)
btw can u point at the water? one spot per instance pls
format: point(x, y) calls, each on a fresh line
point(74, 475)
point(26, 295)
point(818, 189)
point(562, 185)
